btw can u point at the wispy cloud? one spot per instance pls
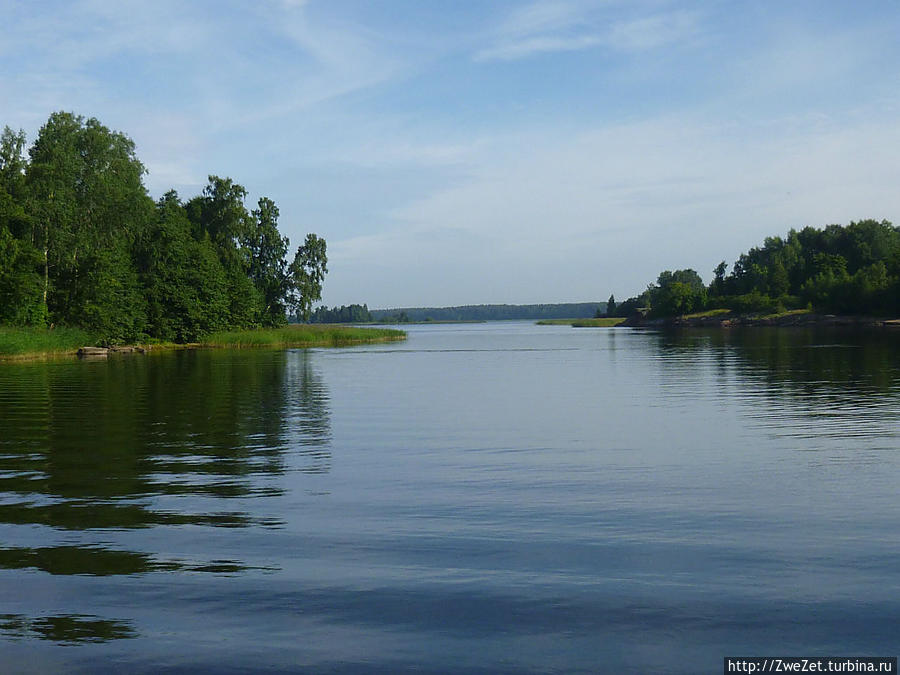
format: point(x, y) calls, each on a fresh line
point(557, 26)
point(610, 196)
point(518, 49)
point(653, 31)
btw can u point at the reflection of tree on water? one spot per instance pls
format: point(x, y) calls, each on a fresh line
point(66, 628)
point(308, 420)
point(807, 361)
point(174, 439)
point(828, 382)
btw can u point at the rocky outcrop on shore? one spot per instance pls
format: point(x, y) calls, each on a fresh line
point(780, 320)
point(101, 352)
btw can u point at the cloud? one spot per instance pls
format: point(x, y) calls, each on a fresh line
point(610, 208)
point(555, 26)
point(653, 31)
point(512, 50)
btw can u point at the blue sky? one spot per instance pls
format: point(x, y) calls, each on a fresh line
point(456, 152)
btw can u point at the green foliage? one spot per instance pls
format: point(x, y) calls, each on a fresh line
point(111, 303)
point(678, 292)
point(40, 341)
point(342, 314)
point(85, 204)
point(267, 249)
point(632, 306)
point(185, 288)
point(844, 269)
point(610, 308)
point(81, 244)
point(21, 302)
point(307, 273)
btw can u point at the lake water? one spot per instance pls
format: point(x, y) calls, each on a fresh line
point(497, 497)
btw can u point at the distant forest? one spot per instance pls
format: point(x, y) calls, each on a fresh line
point(577, 310)
point(83, 244)
point(342, 314)
point(852, 269)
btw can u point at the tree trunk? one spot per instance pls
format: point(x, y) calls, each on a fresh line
point(46, 277)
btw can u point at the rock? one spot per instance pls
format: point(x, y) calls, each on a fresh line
point(93, 351)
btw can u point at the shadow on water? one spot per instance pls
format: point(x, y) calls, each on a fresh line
point(189, 438)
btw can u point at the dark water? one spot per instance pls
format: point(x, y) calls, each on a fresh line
point(482, 498)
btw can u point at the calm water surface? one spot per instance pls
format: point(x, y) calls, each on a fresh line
point(481, 498)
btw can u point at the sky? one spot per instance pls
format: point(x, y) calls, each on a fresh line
point(470, 151)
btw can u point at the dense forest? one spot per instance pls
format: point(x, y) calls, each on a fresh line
point(852, 269)
point(575, 310)
point(342, 314)
point(83, 244)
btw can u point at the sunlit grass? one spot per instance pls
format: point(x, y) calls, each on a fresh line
point(707, 314)
point(41, 342)
point(32, 343)
point(303, 335)
point(790, 312)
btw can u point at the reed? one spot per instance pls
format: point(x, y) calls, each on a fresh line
point(40, 342)
point(303, 335)
point(603, 322)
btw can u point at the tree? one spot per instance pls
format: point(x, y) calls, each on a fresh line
point(12, 164)
point(266, 249)
point(183, 280)
point(20, 282)
point(82, 243)
point(86, 204)
point(678, 292)
point(611, 306)
point(220, 217)
point(307, 273)
point(718, 285)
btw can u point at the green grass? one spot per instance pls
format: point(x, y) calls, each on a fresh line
point(32, 343)
point(790, 312)
point(604, 322)
point(303, 335)
point(707, 314)
point(17, 343)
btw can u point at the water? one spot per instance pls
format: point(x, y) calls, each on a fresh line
point(481, 498)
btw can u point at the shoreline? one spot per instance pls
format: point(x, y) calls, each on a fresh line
point(798, 319)
point(295, 336)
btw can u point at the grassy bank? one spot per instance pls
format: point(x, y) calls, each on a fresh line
point(604, 322)
point(303, 335)
point(32, 343)
point(24, 343)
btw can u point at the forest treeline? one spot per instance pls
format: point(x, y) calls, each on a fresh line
point(852, 269)
point(83, 244)
point(342, 314)
point(572, 310)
